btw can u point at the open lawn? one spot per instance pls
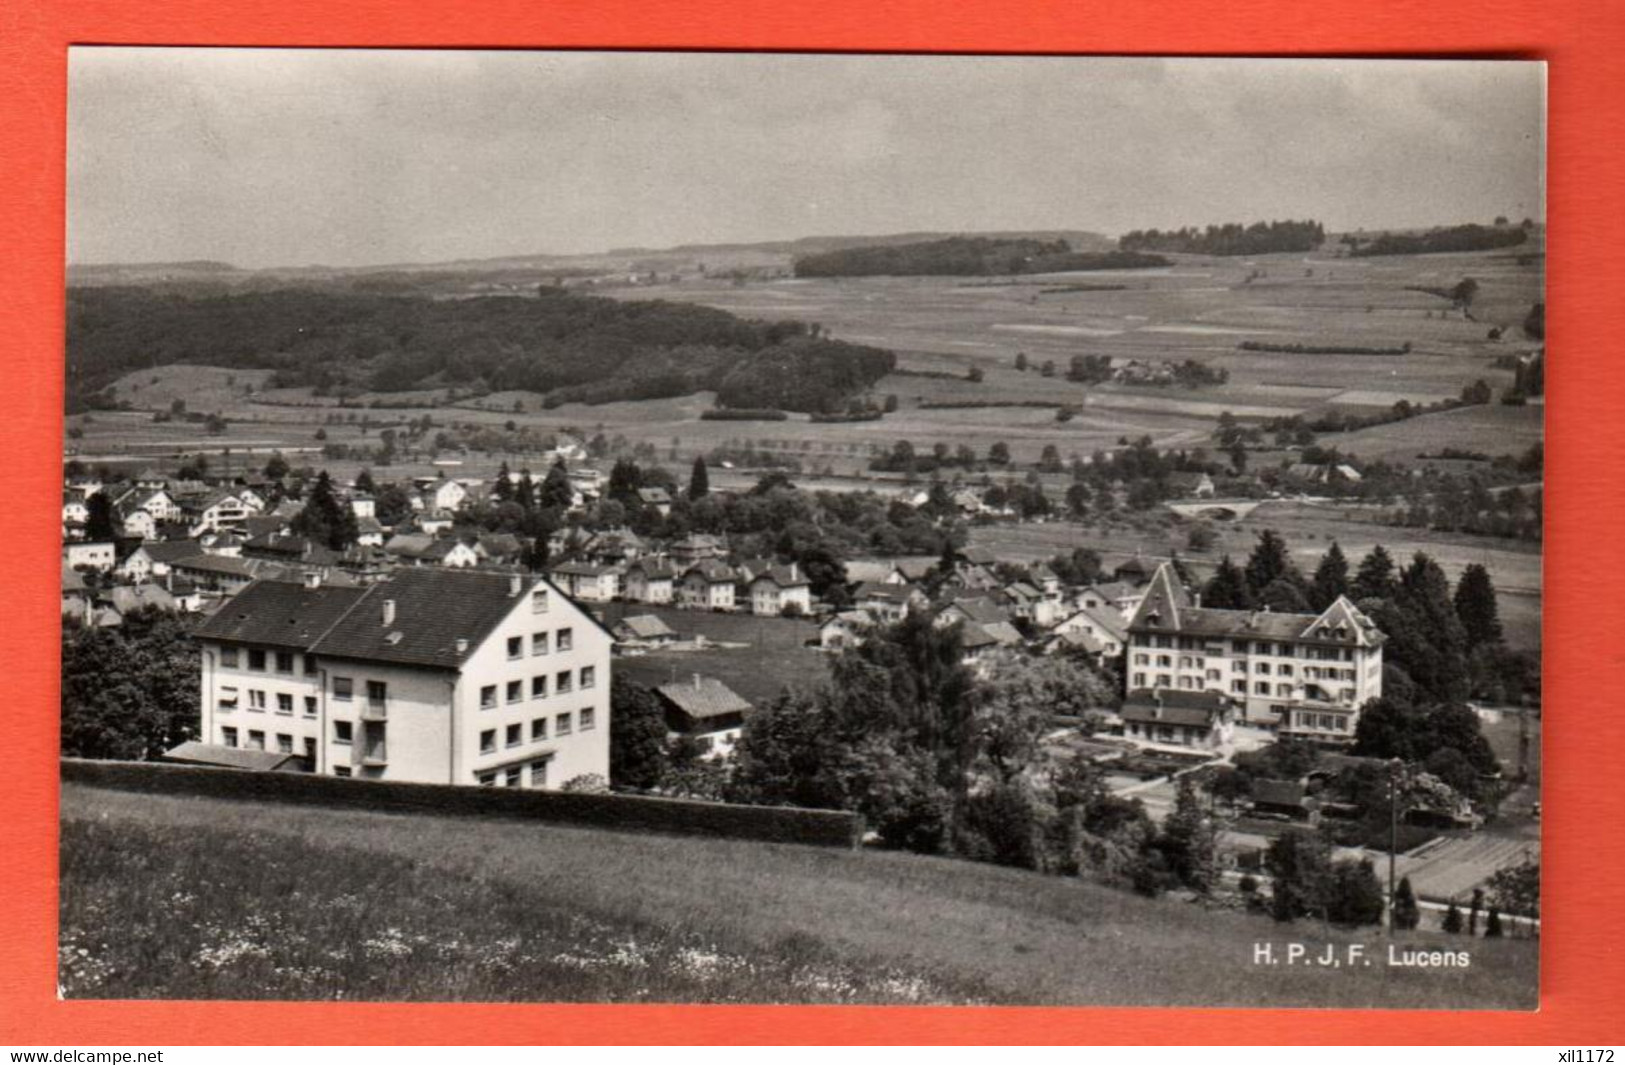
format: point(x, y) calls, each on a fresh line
point(776, 654)
point(168, 897)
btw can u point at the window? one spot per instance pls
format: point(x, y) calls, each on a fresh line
point(1164, 661)
point(377, 692)
point(1239, 686)
point(343, 689)
point(538, 686)
point(284, 743)
point(515, 735)
point(228, 736)
point(1284, 669)
point(284, 703)
point(343, 731)
point(1139, 680)
point(488, 741)
point(538, 601)
point(228, 657)
point(561, 726)
point(1162, 680)
point(1283, 690)
point(538, 774)
point(310, 665)
point(1262, 668)
point(561, 683)
point(589, 718)
point(511, 776)
point(589, 676)
point(565, 640)
point(310, 750)
point(1261, 648)
point(284, 661)
point(488, 697)
point(310, 706)
point(1238, 667)
point(516, 690)
point(1142, 660)
point(256, 740)
point(516, 646)
point(538, 643)
point(487, 780)
point(256, 660)
point(341, 770)
point(256, 700)
point(1262, 687)
point(228, 698)
point(538, 729)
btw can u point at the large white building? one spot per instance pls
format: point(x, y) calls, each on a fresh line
point(1304, 674)
point(433, 676)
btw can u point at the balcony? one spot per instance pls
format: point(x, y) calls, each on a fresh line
point(375, 710)
point(369, 748)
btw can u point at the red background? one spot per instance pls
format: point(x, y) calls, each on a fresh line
point(1582, 956)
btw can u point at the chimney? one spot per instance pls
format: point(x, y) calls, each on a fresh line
point(1196, 598)
point(313, 578)
point(462, 645)
point(389, 612)
point(516, 584)
point(696, 682)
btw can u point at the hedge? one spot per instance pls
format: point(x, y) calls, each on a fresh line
point(626, 813)
point(742, 414)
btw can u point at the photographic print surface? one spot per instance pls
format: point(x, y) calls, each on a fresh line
point(729, 528)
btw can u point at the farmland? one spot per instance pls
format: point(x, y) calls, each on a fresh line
point(166, 897)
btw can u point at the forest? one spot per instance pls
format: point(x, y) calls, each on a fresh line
point(569, 347)
point(967, 256)
point(1452, 238)
point(1231, 238)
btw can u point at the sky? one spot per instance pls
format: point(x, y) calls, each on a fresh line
point(285, 157)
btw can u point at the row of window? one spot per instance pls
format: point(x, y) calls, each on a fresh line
point(1329, 722)
point(255, 741)
point(1237, 687)
point(562, 640)
point(1282, 669)
point(229, 700)
point(564, 682)
point(260, 660)
point(1242, 647)
point(563, 725)
point(511, 777)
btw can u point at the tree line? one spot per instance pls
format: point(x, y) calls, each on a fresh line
point(1230, 238)
point(967, 256)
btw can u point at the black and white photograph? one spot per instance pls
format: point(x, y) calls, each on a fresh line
point(856, 529)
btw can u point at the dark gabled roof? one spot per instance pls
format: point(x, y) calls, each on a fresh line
point(581, 569)
point(1173, 707)
point(434, 608)
point(220, 756)
point(1278, 792)
point(712, 571)
point(703, 697)
point(645, 627)
point(980, 611)
point(280, 614)
point(654, 569)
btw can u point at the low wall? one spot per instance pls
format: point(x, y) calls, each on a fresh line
point(629, 813)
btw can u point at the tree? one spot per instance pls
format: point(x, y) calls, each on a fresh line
point(363, 482)
point(1375, 577)
point(276, 467)
point(1476, 606)
point(1299, 864)
point(890, 404)
point(699, 480)
point(1049, 461)
point(557, 492)
point(1492, 924)
point(1201, 537)
point(1331, 579)
point(1227, 589)
point(1284, 597)
point(324, 519)
point(999, 453)
point(1452, 920)
point(102, 523)
point(1077, 499)
point(1189, 840)
point(1021, 361)
point(1516, 888)
point(1269, 562)
point(129, 692)
point(503, 491)
point(1354, 893)
point(1464, 293)
point(1407, 915)
point(637, 736)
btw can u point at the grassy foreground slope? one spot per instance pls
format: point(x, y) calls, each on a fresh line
point(169, 897)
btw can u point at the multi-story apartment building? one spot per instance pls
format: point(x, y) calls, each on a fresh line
point(433, 676)
point(1304, 674)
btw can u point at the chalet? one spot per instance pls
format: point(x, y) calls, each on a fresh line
point(98, 555)
point(1284, 798)
point(1105, 631)
point(706, 711)
point(650, 580)
point(695, 548)
point(139, 524)
point(587, 582)
point(1200, 719)
point(416, 549)
point(434, 676)
point(778, 590)
point(708, 585)
point(658, 498)
point(888, 603)
point(213, 511)
point(1120, 596)
point(368, 532)
point(845, 629)
point(862, 571)
point(643, 630)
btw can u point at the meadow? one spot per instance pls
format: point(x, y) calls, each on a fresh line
point(166, 897)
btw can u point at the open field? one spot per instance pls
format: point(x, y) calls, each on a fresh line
point(166, 897)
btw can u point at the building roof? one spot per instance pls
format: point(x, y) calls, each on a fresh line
point(280, 614)
point(784, 576)
point(703, 697)
point(898, 593)
point(869, 570)
point(434, 609)
point(654, 569)
point(981, 611)
point(1278, 792)
point(645, 627)
point(581, 569)
point(712, 571)
point(131, 597)
point(220, 756)
point(1167, 607)
point(654, 495)
point(1194, 709)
